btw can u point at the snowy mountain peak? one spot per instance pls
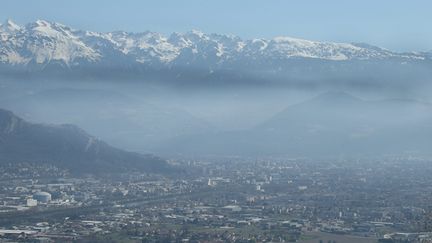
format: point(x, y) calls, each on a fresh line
point(10, 26)
point(43, 42)
point(197, 33)
point(286, 39)
point(50, 29)
point(41, 22)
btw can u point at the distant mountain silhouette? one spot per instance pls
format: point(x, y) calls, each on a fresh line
point(330, 124)
point(68, 147)
point(124, 122)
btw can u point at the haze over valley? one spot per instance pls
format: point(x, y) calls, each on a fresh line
point(198, 94)
point(161, 132)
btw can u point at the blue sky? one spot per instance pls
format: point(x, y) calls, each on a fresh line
point(401, 25)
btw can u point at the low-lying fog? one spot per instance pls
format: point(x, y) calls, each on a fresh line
point(238, 120)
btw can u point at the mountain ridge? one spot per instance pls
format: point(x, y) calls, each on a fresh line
point(42, 42)
point(67, 147)
point(329, 124)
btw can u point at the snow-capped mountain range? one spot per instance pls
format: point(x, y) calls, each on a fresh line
point(42, 43)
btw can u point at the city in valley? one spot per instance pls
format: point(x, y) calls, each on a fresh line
point(215, 121)
point(223, 200)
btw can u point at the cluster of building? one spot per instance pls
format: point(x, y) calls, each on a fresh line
point(228, 200)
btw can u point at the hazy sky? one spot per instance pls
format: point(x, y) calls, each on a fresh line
point(401, 25)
